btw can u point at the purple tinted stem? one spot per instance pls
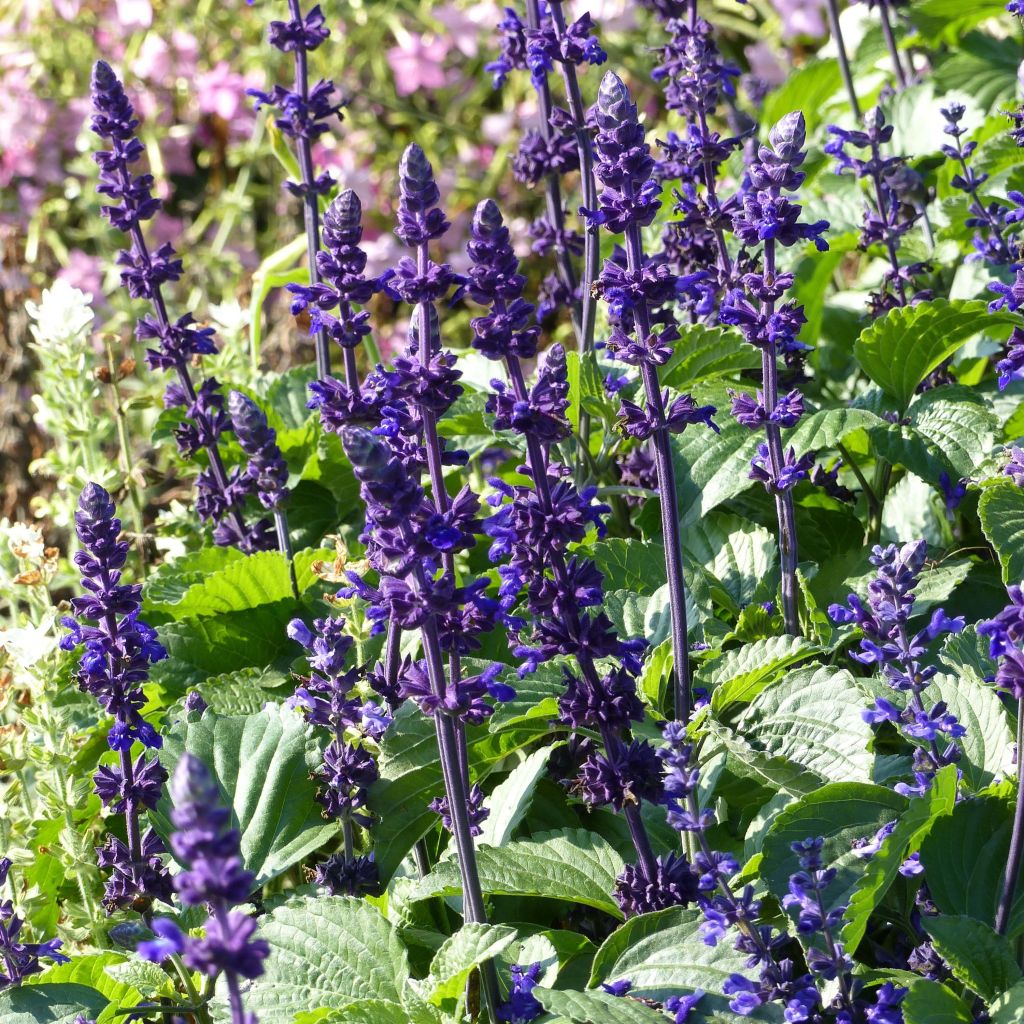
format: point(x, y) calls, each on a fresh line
point(844, 60)
point(783, 499)
point(890, 42)
point(1013, 859)
point(553, 190)
point(310, 207)
point(672, 535)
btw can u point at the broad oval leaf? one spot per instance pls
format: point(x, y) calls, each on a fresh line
point(1002, 518)
point(261, 764)
point(50, 1004)
point(977, 956)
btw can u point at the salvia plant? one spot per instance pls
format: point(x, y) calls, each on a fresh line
point(605, 604)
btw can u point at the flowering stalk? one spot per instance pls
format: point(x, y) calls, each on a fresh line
point(266, 470)
point(302, 113)
point(219, 495)
point(887, 643)
point(890, 42)
point(19, 960)
point(770, 217)
point(404, 532)
point(535, 528)
point(629, 202)
point(118, 651)
point(553, 41)
point(835, 28)
point(348, 769)
point(1006, 642)
point(545, 154)
point(214, 877)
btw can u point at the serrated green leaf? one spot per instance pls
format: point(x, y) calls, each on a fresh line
point(977, 956)
point(168, 583)
point(147, 978)
point(737, 553)
point(261, 764)
point(509, 801)
point(703, 352)
point(1001, 509)
point(588, 1007)
point(882, 869)
point(840, 813)
point(244, 692)
point(740, 674)
point(366, 1011)
point(631, 564)
point(928, 1002)
point(50, 1004)
point(663, 953)
point(570, 864)
point(463, 952)
point(326, 952)
point(807, 729)
point(899, 349)
point(1009, 1007)
point(964, 856)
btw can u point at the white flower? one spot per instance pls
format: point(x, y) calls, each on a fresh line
point(26, 542)
point(63, 314)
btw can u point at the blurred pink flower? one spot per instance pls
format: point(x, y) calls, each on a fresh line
point(416, 63)
point(221, 91)
point(84, 272)
point(801, 17)
point(466, 24)
point(348, 163)
point(134, 13)
point(162, 62)
point(176, 152)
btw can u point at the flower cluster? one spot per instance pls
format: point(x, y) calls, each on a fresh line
point(214, 876)
point(1006, 642)
point(20, 959)
point(266, 469)
point(891, 212)
point(116, 655)
point(177, 343)
point(887, 643)
point(348, 769)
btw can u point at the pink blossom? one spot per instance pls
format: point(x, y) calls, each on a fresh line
point(134, 13)
point(801, 17)
point(465, 25)
point(161, 62)
point(176, 152)
point(221, 91)
point(84, 272)
point(416, 63)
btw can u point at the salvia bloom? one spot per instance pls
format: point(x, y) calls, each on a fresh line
point(348, 768)
point(522, 1006)
point(213, 876)
point(20, 959)
point(887, 643)
point(117, 651)
point(1006, 640)
point(175, 344)
point(891, 212)
point(266, 469)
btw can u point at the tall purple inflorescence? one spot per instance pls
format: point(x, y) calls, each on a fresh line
point(215, 877)
point(348, 770)
point(18, 959)
point(176, 344)
point(302, 113)
point(533, 528)
point(629, 202)
point(116, 654)
point(888, 644)
point(771, 218)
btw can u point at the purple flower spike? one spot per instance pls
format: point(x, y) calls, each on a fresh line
point(177, 343)
point(19, 960)
point(266, 468)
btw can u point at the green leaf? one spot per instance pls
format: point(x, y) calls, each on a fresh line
point(470, 946)
point(634, 565)
point(987, 745)
point(738, 553)
point(261, 764)
point(1009, 1007)
point(976, 955)
point(898, 350)
point(242, 584)
point(570, 864)
point(326, 952)
point(928, 1002)
point(807, 729)
point(808, 89)
point(964, 856)
point(92, 971)
point(588, 1007)
point(366, 1011)
point(168, 583)
point(882, 869)
point(246, 691)
point(50, 1004)
point(740, 674)
point(1001, 509)
point(662, 953)
point(840, 813)
point(704, 352)
point(510, 799)
point(981, 66)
